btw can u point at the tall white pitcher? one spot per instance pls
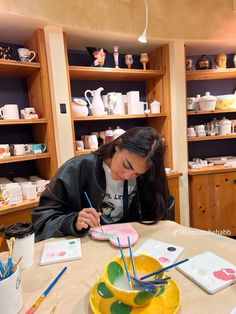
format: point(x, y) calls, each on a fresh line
point(97, 105)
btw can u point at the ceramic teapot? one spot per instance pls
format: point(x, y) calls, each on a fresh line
point(97, 105)
point(79, 107)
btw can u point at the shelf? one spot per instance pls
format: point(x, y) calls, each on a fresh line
point(211, 138)
point(211, 169)
point(24, 158)
point(84, 152)
point(22, 121)
point(93, 73)
point(174, 174)
point(17, 68)
point(6, 209)
point(215, 74)
point(195, 113)
point(115, 117)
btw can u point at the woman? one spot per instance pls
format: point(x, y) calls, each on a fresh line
point(125, 181)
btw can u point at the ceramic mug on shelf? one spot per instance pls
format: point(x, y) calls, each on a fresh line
point(14, 193)
point(38, 148)
point(9, 112)
point(25, 53)
point(4, 150)
point(19, 149)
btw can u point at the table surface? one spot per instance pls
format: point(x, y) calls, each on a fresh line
point(73, 289)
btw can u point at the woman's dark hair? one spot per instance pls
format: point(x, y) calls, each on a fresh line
point(153, 187)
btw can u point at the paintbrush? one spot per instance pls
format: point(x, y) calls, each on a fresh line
point(124, 262)
point(90, 204)
point(46, 292)
point(15, 266)
point(9, 262)
point(163, 269)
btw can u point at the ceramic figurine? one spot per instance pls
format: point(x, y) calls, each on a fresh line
point(116, 56)
point(189, 64)
point(144, 59)
point(129, 60)
point(97, 55)
point(5, 53)
point(221, 60)
point(204, 63)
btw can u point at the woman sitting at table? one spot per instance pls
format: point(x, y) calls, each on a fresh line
point(124, 180)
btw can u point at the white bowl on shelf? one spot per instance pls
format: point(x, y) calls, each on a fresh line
point(207, 102)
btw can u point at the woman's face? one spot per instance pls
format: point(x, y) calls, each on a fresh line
point(126, 165)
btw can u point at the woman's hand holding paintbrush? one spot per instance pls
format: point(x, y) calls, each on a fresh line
point(88, 217)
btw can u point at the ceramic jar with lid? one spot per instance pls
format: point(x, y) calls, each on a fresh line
point(79, 107)
point(207, 102)
point(204, 63)
point(225, 126)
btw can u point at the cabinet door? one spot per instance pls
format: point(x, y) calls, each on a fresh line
point(213, 202)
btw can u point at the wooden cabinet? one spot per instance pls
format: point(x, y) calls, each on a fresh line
point(213, 199)
point(155, 83)
point(27, 84)
point(212, 189)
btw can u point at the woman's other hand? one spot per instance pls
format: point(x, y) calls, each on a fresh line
point(87, 217)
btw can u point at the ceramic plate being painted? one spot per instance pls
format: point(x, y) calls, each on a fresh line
point(102, 301)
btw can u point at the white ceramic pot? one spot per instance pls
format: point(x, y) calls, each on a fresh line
point(225, 126)
point(207, 102)
point(79, 108)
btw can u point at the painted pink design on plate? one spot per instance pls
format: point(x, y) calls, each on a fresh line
point(164, 259)
point(111, 232)
point(225, 274)
point(61, 253)
point(50, 255)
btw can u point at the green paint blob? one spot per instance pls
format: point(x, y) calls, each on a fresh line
point(120, 308)
point(72, 242)
point(114, 271)
point(143, 297)
point(103, 291)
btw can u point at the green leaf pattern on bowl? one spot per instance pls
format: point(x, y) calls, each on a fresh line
point(118, 307)
point(103, 291)
point(114, 271)
point(142, 297)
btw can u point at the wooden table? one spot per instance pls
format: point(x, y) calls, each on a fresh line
point(73, 289)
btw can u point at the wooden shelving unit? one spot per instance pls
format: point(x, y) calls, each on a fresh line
point(90, 73)
point(18, 68)
point(212, 189)
point(119, 117)
point(157, 82)
point(211, 138)
point(24, 158)
point(215, 74)
point(35, 75)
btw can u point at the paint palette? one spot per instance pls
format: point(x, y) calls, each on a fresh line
point(164, 252)
point(111, 232)
point(210, 271)
point(61, 251)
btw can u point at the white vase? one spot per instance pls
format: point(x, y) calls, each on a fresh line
point(234, 59)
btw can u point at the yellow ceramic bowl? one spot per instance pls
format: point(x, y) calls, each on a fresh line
point(114, 276)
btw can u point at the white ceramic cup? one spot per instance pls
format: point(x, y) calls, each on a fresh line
point(133, 100)
point(155, 107)
point(79, 145)
point(23, 232)
point(14, 193)
point(11, 300)
point(9, 112)
point(29, 190)
point(4, 150)
point(19, 149)
point(25, 53)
